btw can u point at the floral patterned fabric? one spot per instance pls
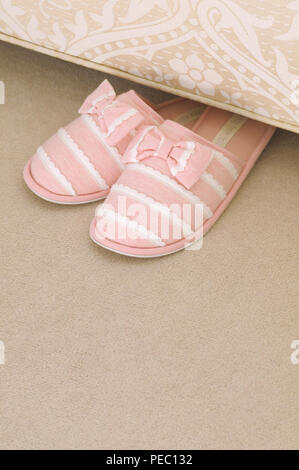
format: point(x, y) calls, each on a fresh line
point(241, 55)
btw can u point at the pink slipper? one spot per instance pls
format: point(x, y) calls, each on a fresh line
point(82, 160)
point(177, 182)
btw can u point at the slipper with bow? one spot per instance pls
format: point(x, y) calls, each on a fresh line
point(177, 183)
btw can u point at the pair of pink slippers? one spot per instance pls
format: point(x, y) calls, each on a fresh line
point(167, 172)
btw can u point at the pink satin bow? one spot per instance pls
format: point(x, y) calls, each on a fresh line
point(116, 118)
point(186, 160)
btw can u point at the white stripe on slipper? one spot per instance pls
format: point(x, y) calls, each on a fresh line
point(82, 158)
point(172, 184)
point(49, 165)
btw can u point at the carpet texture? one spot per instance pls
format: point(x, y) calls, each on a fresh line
point(109, 352)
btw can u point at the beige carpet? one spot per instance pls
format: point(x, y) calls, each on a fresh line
point(189, 351)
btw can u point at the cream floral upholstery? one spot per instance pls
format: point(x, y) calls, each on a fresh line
point(241, 55)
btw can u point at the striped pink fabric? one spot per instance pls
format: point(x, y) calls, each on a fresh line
point(173, 182)
point(83, 159)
